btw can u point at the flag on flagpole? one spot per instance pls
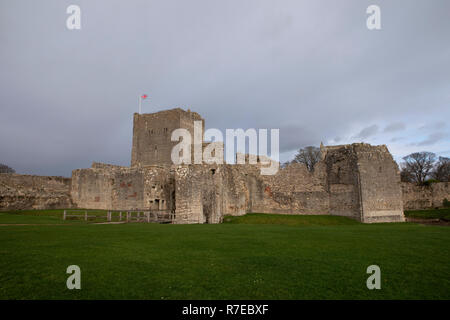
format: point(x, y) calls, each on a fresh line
point(142, 97)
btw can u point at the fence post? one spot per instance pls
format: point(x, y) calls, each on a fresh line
point(64, 215)
point(109, 216)
point(148, 217)
point(85, 215)
point(120, 216)
point(128, 216)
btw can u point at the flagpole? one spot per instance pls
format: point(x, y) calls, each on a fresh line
point(140, 101)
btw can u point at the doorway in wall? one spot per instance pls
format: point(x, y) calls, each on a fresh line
point(154, 204)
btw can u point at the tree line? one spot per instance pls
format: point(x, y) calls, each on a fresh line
point(424, 167)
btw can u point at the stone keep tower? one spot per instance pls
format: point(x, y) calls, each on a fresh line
point(152, 132)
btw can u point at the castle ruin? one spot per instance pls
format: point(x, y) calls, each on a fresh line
point(359, 181)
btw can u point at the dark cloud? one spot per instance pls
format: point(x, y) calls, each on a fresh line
point(310, 68)
point(367, 132)
point(433, 126)
point(293, 138)
point(397, 126)
point(432, 139)
point(395, 139)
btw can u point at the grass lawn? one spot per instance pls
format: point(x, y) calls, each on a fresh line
point(252, 257)
point(289, 220)
point(443, 213)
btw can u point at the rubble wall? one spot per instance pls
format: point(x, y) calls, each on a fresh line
point(23, 192)
point(424, 197)
point(380, 186)
point(122, 188)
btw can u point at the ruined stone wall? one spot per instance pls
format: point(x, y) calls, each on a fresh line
point(92, 188)
point(295, 190)
point(122, 188)
point(20, 192)
point(424, 197)
point(358, 181)
point(199, 193)
point(379, 183)
point(159, 189)
point(243, 189)
point(342, 181)
point(292, 190)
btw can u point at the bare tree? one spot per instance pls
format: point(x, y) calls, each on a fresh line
point(309, 156)
point(405, 175)
point(441, 170)
point(418, 165)
point(5, 169)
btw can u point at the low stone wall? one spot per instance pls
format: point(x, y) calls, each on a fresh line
point(20, 192)
point(424, 197)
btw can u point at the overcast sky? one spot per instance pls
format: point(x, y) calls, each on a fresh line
point(310, 68)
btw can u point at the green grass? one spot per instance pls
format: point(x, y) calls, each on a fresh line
point(13, 218)
point(293, 257)
point(442, 213)
point(290, 220)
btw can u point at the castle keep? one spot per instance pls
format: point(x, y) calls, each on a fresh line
point(359, 181)
point(152, 132)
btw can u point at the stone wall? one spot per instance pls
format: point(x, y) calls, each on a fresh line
point(20, 192)
point(424, 197)
point(358, 181)
point(123, 188)
point(342, 181)
point(379, 183)
point(199, 193)
point(292, 190)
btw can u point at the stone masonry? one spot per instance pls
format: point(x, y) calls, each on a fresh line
point(18, 192)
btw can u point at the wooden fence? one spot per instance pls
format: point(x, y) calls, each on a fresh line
point(158, 216)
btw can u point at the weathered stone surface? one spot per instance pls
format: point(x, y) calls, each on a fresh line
point(18, 192)
point(123, 188)
point(152, 143)
point(425, 197)
point(379, 184)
